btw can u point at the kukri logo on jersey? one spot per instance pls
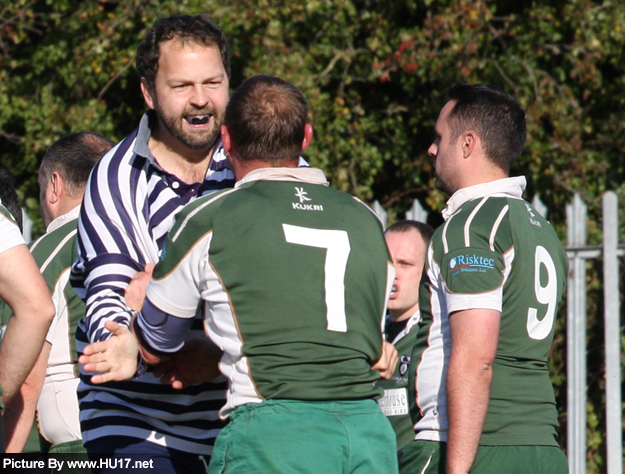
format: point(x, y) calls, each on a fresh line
point(533, 221)
point(471, 263)
point(302, 205)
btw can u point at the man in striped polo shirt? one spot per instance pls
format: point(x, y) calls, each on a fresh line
point(131, 199)
point(496, 271)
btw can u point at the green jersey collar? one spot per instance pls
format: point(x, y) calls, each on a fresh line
point(510, 187)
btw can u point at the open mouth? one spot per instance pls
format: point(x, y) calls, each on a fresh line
point(393, 291)
point(197, 119)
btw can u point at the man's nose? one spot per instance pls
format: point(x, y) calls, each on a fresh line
point(200, 96)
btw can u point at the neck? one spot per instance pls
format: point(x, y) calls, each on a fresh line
point(66, 205)
point(397, 317)
point(480, 175)
point(242, 168)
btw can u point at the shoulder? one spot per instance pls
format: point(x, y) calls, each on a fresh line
point(120, 178)
point(10, 235)
point(60, 241)
point(120, 160)
point(478, 223)
point(530, 229)
point(199, 214)
point(6, 216)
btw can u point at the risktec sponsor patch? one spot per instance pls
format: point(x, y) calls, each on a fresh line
point(471, 263)
point(472, 270)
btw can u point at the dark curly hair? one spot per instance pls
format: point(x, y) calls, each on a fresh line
point(185, 28)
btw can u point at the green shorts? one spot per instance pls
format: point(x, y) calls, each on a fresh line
point(429, 457)
point(520, 460)
point(421, 457)
point(70, 447)
point(288, 436)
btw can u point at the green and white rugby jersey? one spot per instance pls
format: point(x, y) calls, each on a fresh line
point(395, 403)
point(494, 252)
point(295, 278)
point(55, 252)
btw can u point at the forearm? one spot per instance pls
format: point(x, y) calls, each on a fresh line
point(21, 347)
point(105, 279)
point(25, 291)
point(160, 335)
point(468, 390)
point(474, 339)
point(20, 412)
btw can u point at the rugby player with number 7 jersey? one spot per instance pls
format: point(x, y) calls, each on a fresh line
point(495, 274)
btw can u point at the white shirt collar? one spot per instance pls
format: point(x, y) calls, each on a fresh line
point(308, 175)
point(511, 187)
point(65, 218)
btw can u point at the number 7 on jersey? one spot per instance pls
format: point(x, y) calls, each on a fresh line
point(336, 243)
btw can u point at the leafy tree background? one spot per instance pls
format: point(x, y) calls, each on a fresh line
point(375, 73)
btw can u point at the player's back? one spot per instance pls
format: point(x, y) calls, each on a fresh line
point(304, 266)
point(295, 279)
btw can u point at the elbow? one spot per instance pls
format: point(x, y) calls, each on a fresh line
point(486, 371)
point(46, 312)
point(478, 367)
point(486, 365)
point(49, 311)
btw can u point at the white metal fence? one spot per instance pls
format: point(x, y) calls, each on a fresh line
point(579, 252)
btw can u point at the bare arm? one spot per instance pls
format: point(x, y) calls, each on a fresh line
point(25, 291)
point(20, 412)
point(116, 358)
point(474, 336)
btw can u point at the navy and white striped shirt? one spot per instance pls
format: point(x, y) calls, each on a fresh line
point(129, 206)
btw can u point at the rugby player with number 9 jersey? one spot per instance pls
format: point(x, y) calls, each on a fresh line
point(496, 272)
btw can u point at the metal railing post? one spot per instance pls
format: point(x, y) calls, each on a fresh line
point(613, 409)
point(576, 213)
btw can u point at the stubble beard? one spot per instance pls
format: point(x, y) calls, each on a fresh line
point(194, 140)
point(441, 184)
point(438, 184)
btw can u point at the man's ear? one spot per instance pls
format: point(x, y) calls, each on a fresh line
point(469, 142)
point(225, 139)
point(55, 189)
point(308, 134)
point(148, 93)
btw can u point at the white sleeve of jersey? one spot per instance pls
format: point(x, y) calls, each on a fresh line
point(179, 292)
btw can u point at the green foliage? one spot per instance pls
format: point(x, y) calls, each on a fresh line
point(375, 73)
